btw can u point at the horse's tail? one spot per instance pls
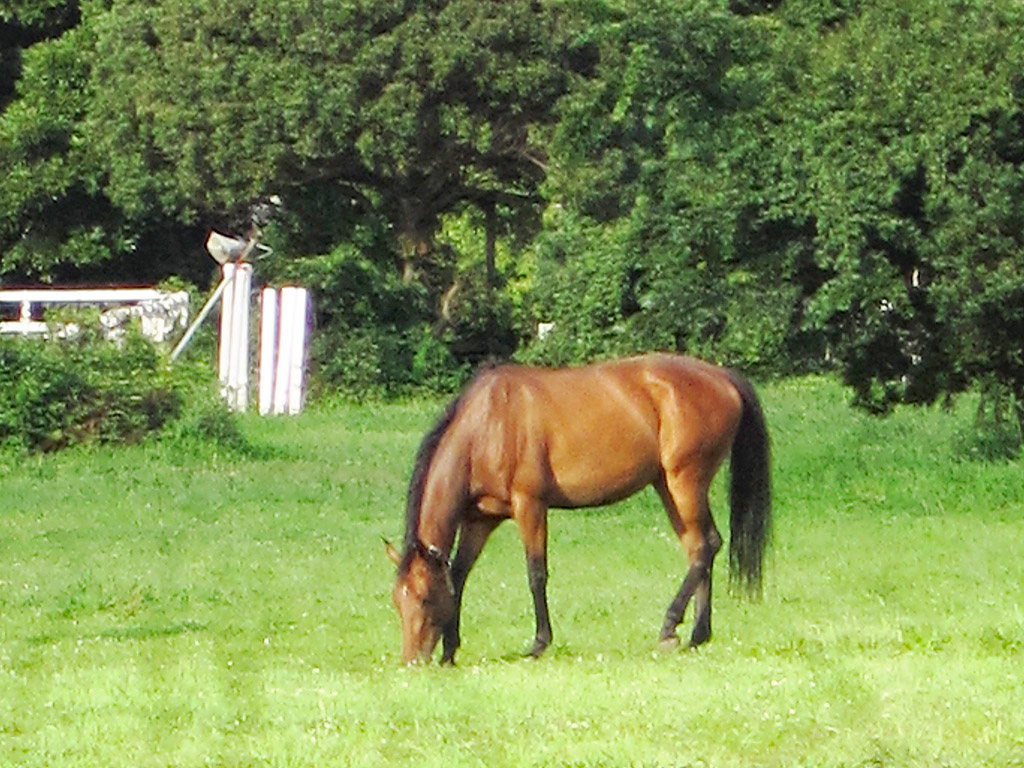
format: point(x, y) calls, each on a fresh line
point(750, 491)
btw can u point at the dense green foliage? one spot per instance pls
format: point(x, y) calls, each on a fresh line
point(168, 607)
point(80, 387)
point(777, 185)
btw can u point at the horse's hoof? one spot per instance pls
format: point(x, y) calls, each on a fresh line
point(538, 649)
point(669, 643)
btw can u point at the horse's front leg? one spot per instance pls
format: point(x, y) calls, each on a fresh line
point(531, 516)
point(475, 530)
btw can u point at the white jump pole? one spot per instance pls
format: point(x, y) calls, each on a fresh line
point(268, 349)
point(282, 370)
point(234, 335)
point(284, 335)
point(227, 303)
point(297, 343)
point(240, 335)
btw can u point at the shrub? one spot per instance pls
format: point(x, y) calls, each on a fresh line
point(205, 418)
point(58, 392)
point(995, 434)
point(434, 368)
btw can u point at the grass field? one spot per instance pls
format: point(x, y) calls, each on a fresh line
point(162, 608)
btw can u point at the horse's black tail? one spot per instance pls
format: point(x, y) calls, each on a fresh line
point(750, 492)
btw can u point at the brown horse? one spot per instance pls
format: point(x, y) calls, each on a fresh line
point(519, 440)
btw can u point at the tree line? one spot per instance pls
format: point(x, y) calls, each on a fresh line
point(779, 185)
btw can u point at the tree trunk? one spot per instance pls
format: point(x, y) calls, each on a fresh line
point(415, 237)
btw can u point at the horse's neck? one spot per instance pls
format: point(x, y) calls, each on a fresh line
point(445, 496)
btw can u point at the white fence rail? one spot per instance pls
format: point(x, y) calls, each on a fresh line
point(161, 312)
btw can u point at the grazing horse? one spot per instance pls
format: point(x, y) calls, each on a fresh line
point(519, 440)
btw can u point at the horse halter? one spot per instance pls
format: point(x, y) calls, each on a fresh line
point(434, 553)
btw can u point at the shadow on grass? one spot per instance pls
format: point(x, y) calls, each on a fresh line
point(140, 632)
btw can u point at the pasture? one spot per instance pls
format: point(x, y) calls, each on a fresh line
point(162, 607)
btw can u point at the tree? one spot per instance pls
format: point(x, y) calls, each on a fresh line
point(186, 111)
point(660, 147)
point(58, 220)
point(24, 23)
point(408, 109)
point(901, 153)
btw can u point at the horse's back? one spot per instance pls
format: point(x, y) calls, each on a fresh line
point(700, 410)
point(590, 435)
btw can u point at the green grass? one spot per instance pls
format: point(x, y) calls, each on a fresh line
point(165, 609)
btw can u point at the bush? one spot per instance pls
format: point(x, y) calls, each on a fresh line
point(349, 360)
point(368, 320)
point(480, 321)
point(995, 434)
point(434, 368)
point(58, 392)
point(205, 418)
point(582, 287)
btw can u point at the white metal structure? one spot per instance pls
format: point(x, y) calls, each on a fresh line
point(161, 311)
point(284, 324)
point(268, 349)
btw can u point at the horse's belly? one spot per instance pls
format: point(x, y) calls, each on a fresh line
point(591, 474)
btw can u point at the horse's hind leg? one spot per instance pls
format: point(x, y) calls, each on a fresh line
point(687, 505)
point(475, 530)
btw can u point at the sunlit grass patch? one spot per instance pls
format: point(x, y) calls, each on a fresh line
point(160, 608)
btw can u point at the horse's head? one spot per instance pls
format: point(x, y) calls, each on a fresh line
point(425, 600)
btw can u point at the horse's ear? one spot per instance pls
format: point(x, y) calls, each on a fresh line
point(393, 554)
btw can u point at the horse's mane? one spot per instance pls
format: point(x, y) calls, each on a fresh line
point(421, 468)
